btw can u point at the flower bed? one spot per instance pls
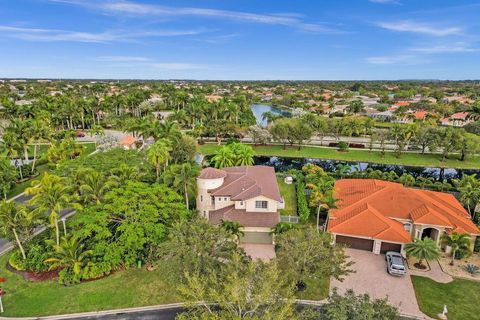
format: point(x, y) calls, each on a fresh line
point(457, 270)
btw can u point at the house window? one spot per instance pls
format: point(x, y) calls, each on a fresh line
point(261, 204)
point(201, 198)
point(219, 199)
point(241, 203)
point(224, 199)
point(408, 226)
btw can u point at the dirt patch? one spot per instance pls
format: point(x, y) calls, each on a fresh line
point(457, 270)
point(34, 276)
point(413, 264)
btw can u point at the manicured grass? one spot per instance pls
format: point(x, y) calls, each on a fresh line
point(287, 191)
point(408, 159)
point(316, 290)
point(460, 296)
point(125, 289)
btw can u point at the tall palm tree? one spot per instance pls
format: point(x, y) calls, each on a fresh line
point(70, 254)
point(457, 241)
point(182, 178)
point(470, 196)
point(422, 249)
point(50, 195)
point(322, 197)
point(17, 220)
point(159, 153)
point(244, 154)
point(94, 185)
point(233, 227)
point(224, 157)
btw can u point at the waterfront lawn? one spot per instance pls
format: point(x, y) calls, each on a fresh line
point(287, 191)
point(124, 289)
point(408, 159)
point(460, 296)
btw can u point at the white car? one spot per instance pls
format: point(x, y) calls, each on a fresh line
point(395, 263)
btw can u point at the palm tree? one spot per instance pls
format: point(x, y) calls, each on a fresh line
point(282, 227)
point(182, 178)
point(470, 196)
point(17, 220)
point(50, 195)
point(422, 249)
point(224, 157)
point(457, 241)
point(233, 227)
point(322, 197)
point(94, 185)
point(244, 155)
point(159, 153)
point(69, 254)
point(407, 179)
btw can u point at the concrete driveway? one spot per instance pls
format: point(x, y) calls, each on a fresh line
point(264, 252)
point(371, 277)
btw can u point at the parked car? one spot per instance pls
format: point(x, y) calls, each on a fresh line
point(395, 264)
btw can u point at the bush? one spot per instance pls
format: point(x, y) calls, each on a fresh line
point(303, 210)
point(36, 254)
point(472, 269)
point(342, 146)
point(16, 261)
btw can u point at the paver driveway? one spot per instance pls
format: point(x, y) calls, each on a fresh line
point(264, 252)
point(371, 277)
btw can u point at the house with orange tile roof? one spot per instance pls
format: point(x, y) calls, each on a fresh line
point(458, 119)
point(381, 216)
point(248, 195)
point(128, 142)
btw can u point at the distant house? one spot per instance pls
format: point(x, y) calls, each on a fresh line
point(128, 142)
point(382, 216)
point(458, 119)
point(248, 195)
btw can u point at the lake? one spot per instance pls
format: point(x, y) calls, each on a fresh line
point(438, 174)
point(259, 109)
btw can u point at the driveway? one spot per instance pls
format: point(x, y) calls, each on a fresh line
point(371, 277)
point(264, 252)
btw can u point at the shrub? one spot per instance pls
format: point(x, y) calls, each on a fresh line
point(342, 146)
point(303, 210)
point(36, 256)
point(16, 261)
point(472, 269)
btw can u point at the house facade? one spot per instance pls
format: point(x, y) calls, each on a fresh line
point(381, 216)
point(248, 195)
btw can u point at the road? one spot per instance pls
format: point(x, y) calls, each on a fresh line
point(162, 314)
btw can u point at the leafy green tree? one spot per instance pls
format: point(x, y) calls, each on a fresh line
point(17, 223)
point(353, 307)
point(8, 175)
point(197, 247)
point(280, 131)
point(184, 150)
point(50, 195)
point(283, 227)
point(458, 242)
point(240, 290)
point(423, 249)
point(94, 185)
point(182, 178)
point(70, 255)
point(407, 179)
point(306, 253)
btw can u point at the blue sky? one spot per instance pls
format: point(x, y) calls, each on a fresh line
point(240, 39)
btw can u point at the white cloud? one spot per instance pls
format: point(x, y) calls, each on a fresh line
point(135, 9)
point(395, 59)
point(451, 48)
point(36, 34)
point(419, 27)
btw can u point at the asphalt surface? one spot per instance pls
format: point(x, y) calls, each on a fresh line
point(163, 314)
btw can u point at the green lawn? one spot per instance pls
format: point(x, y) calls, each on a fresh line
point(316, 290)
point(125, 289)
point(410, 159)
point(289, 195)
point(460, 296)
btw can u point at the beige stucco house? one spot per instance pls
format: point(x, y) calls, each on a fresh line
point(248, 195)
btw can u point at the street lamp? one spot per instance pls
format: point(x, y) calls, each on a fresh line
point(64, 226)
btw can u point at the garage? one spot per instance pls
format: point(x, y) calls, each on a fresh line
point(355, 243)
point(256, 237)
point(388, 246)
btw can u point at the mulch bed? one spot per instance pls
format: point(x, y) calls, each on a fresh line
point(412, 265)
point(34, 276)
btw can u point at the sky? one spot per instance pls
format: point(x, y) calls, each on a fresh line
point(240, 39)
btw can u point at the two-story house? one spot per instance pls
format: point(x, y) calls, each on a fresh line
point(248, 195)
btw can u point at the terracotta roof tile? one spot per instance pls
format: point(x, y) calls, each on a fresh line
point(212, 173)
point(246, 219)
